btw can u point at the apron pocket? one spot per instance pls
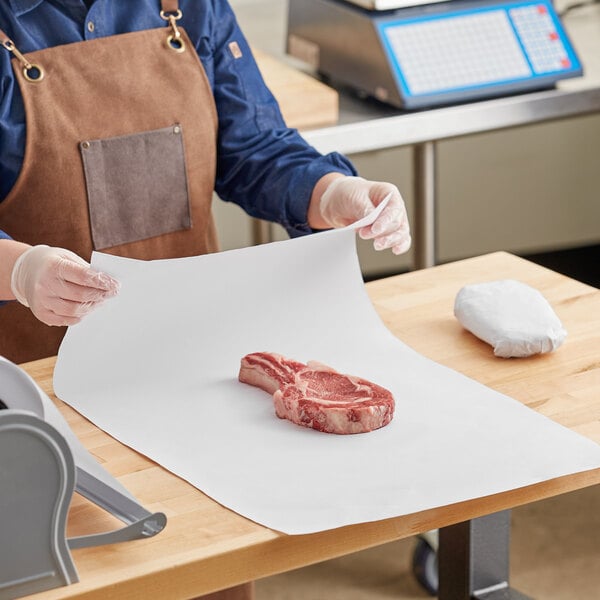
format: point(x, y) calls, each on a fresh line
point(136, 186)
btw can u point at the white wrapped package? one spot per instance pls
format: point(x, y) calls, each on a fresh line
point(514, 318)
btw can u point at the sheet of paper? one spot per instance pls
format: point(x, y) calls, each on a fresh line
point(157, 368)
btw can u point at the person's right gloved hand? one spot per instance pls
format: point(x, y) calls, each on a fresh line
point(58, 286)
point(348, 199)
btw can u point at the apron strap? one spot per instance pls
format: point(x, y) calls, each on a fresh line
point(169, 11)
point(169, 6)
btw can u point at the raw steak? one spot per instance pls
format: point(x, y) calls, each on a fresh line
point(268, 371)
point(315, 395)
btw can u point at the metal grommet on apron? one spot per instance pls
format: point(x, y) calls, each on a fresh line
point(31, 71)
point(96, 115)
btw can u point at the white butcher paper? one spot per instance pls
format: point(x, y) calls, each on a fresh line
point(156, 367)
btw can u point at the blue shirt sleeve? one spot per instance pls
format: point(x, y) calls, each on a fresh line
point(263, 166)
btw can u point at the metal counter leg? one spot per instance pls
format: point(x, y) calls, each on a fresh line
point(473, 560)
point(424, 166)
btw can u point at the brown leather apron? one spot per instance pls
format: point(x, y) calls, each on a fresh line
point(120, 157)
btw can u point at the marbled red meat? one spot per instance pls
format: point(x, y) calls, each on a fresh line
point(268, 371)
point(315, 395)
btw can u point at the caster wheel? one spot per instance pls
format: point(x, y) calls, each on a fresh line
point(425, 567)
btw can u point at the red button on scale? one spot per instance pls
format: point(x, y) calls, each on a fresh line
point(542, 9)
point(554, 35)
point(565, 62)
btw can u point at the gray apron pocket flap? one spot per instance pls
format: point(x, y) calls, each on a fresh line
point(136, 186)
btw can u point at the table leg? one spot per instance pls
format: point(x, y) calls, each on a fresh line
point(262, 232)
point(473, 560)
point(424, 166)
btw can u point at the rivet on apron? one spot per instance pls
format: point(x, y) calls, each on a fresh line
point(176, 129)
point(85, 145)
point(91, 26)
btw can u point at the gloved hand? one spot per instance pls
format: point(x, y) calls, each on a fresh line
point(348, 199)
point(59, 286)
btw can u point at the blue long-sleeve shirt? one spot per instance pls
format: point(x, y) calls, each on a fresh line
point(262, 166)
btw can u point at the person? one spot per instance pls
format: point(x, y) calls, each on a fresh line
point(118, 122)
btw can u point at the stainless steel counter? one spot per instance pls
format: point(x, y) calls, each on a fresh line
point(423, 130)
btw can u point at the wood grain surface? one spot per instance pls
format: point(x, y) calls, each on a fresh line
point(206, 547)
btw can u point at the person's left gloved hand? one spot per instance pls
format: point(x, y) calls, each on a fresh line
point(348, 199)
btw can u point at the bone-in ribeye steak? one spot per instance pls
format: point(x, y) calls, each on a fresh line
point(315, 395)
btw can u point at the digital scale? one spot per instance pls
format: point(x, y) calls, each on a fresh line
point(414, 55)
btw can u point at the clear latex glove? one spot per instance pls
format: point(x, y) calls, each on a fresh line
point(58, 286)
point(348, 199)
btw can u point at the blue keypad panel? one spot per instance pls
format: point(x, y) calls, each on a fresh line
point(541, 41)
point(477, 46)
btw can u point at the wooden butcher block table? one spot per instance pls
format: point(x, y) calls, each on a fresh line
point(206, 547)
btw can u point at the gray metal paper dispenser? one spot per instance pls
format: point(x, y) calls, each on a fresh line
point(41, 464)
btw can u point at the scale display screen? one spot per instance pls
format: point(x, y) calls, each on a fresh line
point(469, 51)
